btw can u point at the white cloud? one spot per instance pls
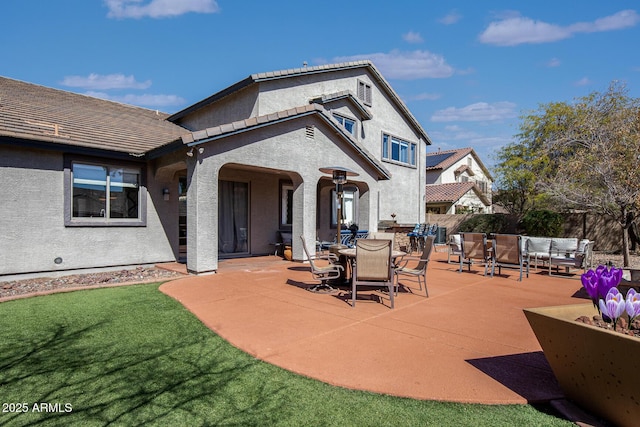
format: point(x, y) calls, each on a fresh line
point(105, 82)
point(417, 64)
point(516, 30)
point(553, 62)
point(477, 112)
point(451, 18)
point(583, 82)
point(617, 21)
point(412, 37)
point(158, 8)
point(144, 100)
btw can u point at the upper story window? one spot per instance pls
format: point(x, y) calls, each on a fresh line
point(398, 150)
point(364, 92)
point(102, 194)
point(348, 124)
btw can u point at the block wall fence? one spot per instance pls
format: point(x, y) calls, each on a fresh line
point(603, 231)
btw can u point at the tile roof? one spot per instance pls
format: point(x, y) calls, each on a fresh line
point(38, 113)
point(452, 192)
point(365, 114)
point(441, 160)
point(293, 72)
point(463, 168)
point(222, 131)
point(444, 159)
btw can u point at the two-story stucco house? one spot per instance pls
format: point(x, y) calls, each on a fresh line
point(457, 182)
point(93, 183)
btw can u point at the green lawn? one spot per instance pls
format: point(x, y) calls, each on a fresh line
point(132, 356)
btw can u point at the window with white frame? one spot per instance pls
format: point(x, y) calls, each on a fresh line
point(104, 194)
point(347, 123)
point(364, 92)
point(398, 150)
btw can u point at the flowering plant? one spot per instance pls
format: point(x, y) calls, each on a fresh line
point(598, 282)
point(601, 285)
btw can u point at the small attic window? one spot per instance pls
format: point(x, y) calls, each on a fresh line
point(310, 132)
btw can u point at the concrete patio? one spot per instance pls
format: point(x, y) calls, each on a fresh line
point(468, 342)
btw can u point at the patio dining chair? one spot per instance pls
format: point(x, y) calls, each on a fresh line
point(373, 266)
point(474, 248)
point(507, 252)
point(323, 273)
point(419, 270)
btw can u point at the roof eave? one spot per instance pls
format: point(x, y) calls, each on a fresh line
point(191, 141)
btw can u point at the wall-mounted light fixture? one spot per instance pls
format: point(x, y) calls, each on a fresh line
point(339, 177)
point(165, 194)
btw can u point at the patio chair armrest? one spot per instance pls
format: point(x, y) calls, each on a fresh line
point(330, 257)
point(406, 259)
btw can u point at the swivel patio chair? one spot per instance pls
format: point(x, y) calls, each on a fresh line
point(419, 270)
point(323, 273)
point(373, 266)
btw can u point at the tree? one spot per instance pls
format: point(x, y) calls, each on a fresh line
point(590, 150)
point(518, 166)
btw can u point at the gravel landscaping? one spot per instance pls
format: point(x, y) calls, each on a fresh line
point(107, 278)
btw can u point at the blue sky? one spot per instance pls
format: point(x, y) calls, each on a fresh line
point(466, 69)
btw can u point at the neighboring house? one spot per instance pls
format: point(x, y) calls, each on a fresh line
point(93, 183)
point(457, 182)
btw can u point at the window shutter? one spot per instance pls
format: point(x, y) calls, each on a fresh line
point(364, 92)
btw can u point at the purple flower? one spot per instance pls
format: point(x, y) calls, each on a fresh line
point(590, 284)
point(633, 304)
point(608, 279)
point(613, 306)
point(598, 282)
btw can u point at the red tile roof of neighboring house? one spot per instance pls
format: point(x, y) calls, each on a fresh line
point(441, 160)
point(452, 192)
point(444, 159)
point(463, 168)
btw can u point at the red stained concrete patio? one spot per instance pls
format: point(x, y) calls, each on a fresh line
point(468, 342)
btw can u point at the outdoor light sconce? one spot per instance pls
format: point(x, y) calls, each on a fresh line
point(165, 194)
point(339, 177)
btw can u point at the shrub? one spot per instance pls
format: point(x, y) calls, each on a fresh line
point(487, 223)
point(543, 223)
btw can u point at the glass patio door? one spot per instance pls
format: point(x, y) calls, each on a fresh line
point(233, 217)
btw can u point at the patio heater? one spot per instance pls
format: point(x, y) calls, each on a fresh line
point(339, 178)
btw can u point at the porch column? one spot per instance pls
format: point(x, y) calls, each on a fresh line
point(304, 216)
point(202, 215)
